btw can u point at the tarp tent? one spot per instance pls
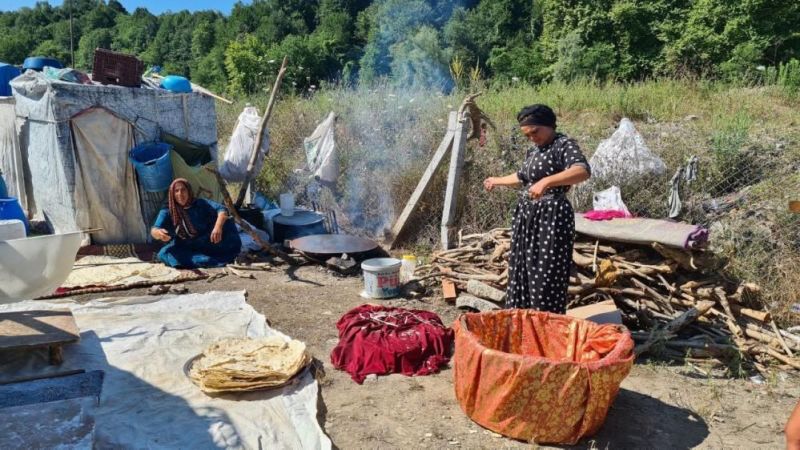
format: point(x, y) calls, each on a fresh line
point(76, 139)
point(12, 161)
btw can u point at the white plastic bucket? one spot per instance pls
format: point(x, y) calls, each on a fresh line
point(381, 277)
point(287, 204)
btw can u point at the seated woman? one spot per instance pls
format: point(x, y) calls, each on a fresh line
point(197, 231)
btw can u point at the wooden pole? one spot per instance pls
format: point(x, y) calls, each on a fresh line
point(238, 219)
point(256, 148)
point(425, 181)
point(454, 180)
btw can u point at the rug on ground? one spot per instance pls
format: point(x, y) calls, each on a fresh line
point(147, 401)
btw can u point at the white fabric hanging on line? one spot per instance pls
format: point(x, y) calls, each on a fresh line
point(237, 153)
point(321, 154)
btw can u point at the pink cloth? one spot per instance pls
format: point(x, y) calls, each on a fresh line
point(606, 214)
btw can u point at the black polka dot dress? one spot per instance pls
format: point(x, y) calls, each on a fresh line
point(543, 231)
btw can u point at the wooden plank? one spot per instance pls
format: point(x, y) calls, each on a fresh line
point(425, 181)
point(35, 329)
point(449, 290)
point(454, 181)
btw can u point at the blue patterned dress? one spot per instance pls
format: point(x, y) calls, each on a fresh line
point(199, 251)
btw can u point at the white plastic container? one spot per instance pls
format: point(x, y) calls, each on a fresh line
point(287, 204)
point(408, 265)
point(381, 277)
point(11, 229)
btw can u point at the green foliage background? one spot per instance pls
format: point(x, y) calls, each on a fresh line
point(414, 42)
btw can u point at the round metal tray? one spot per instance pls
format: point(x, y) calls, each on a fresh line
point(333, 244)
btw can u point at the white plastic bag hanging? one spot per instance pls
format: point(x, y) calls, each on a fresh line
point(609, 200)
point(239, 149)
point(624, 157)
point(320, 147)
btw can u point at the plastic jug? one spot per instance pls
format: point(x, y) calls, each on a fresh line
point(287, 204)
point(407, 268)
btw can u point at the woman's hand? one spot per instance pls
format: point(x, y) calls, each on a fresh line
point(216, 235)
point(489, 183)
point(538, 189)
point(160, 234)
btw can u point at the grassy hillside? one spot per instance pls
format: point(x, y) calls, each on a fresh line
point(747, 139)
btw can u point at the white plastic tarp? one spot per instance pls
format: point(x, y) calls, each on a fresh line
point(147, 401)
point(107, 196)
point(11, 159)
point(45, 108)
point(240, 148)
point(35, 266)
point(321, 155)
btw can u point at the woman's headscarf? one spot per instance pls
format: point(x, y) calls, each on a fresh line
point(180, 218)
point(537, 115)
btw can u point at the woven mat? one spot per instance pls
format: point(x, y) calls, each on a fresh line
point(144, 252)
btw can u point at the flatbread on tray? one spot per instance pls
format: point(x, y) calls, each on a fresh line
point(247, 364)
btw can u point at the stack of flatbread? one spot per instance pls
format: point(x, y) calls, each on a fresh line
point(248, 364)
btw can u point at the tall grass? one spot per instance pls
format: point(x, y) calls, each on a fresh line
point(747, 139)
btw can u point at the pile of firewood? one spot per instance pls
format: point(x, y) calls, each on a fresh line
point(670, 298)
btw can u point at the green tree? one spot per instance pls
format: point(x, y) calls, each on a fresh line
point(421, 60)
point(134, 33)
point(53, 49)
point(576, 60)
point(389, 22)
point(100, 38)
point(246, 64)
point(518, 62)
point(14, 48)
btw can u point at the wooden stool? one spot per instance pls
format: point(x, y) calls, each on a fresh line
point(32, 330)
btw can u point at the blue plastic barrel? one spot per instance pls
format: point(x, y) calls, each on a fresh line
point(153, 165)
point(3, 187)
point(10, 209)
point(175, 83)
point(38, 63)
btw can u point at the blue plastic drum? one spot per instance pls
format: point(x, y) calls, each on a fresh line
point(38, 63)
point(153, 165)
point(10, 209)
point(174, 83)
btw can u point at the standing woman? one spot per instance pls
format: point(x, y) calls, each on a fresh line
point(544, 222)
point(197, 231)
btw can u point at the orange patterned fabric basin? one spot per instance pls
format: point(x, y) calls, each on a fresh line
point(537, 376)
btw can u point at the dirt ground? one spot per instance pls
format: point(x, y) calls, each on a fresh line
point(659, 406)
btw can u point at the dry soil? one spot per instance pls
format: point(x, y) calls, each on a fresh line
point(659, 406)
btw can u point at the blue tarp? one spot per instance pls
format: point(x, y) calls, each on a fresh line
point(7, 73)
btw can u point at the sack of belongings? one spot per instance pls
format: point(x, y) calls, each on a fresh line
point(624, 157)
point(237, 153)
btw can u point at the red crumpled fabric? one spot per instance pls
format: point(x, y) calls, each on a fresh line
point(382, 340)
point(606, 214)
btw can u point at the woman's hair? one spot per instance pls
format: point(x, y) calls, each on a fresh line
point(537, 115)
point(180, 218)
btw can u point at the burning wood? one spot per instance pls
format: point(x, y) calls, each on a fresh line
point(669, 297)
